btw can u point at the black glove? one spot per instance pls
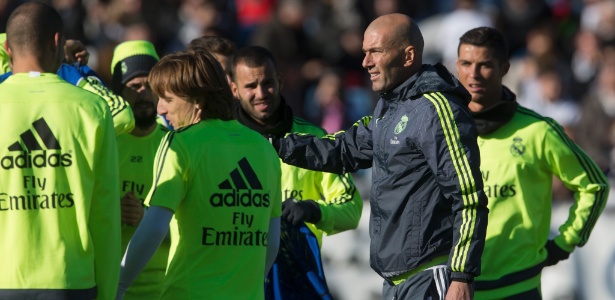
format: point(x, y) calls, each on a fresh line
point(297, 211)
point(555, 253)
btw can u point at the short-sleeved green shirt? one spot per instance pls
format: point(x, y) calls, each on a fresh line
point(136, 157)
point(222, 181)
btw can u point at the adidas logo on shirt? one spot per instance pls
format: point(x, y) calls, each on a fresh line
point(39, 138)
point(241, 189)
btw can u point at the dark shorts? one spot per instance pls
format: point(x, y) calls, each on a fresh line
point(430, 284)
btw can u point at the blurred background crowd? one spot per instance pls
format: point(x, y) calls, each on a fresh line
point(562, 66)
point(562, 51)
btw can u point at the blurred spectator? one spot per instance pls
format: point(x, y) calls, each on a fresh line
point(418, 10)
point(585, 62)
point(325, 102)
point(541, 53)
point(550, 101)
point(285, 37)
point(6, 8)
point(250, 15)
point(198, 16)
point(517, 17)
point(73, 14)
point(595, 130)
point(335, 104)
point(451, 26)
point(599, 17)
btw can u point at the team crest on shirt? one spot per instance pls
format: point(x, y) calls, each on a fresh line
point(401, 125)
point(517, 148)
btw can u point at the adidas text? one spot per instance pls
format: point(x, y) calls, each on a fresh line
point(237, 198)
point(27, 161)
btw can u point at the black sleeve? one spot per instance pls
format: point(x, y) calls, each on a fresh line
point(343, 152)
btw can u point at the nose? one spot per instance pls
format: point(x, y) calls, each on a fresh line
point(161, 108)
point(367, 61)
point(475, 71)
point(260, 92)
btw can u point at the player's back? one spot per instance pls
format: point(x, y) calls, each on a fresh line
point(58, 170)
point(219, 232)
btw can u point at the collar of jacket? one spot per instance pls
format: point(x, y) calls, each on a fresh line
point(492, 118)
point(430, 79)
point(278, 130)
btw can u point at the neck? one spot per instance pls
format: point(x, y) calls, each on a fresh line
point(487, 102)
point(477, 107)
point(32, 64)
point(141, 132)
point(282, 125)
point(25, 67)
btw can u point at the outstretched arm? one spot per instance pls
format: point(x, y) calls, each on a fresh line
point(143, 245)
point(343, 152)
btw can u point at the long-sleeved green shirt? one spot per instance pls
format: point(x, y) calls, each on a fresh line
point(59, 191)
point(518, 162)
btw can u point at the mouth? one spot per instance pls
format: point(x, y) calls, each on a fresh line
point(262, 105)
point(475, 88)
point(373, 76)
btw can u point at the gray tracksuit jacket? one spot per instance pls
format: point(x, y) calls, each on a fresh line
point(427, 197)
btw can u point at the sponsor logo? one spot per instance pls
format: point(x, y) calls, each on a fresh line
point(38, 148)
point(242, 189)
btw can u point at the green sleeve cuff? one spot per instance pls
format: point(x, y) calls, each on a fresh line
point(561, 242)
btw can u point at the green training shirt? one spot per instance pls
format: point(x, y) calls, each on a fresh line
point(59, 208)
point(136, 159)
point(123, 119)
point(222, 181)
point(518, 162)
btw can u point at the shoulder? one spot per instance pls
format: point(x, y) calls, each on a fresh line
point(530, 117)
point(217, 133)
point(441, 105)
point(529, 122)
point(303, 126)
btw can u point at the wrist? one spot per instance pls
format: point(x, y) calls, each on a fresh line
point(462, 277)
point(316, 214)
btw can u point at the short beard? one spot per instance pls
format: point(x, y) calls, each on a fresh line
point(146, 122)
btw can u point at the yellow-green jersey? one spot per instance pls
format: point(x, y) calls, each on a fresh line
point(123, 119)
point(518, 162)
point(59, 191)
point(136, 159)
point(4, 56)
point(222, 181)
point(339, 202)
